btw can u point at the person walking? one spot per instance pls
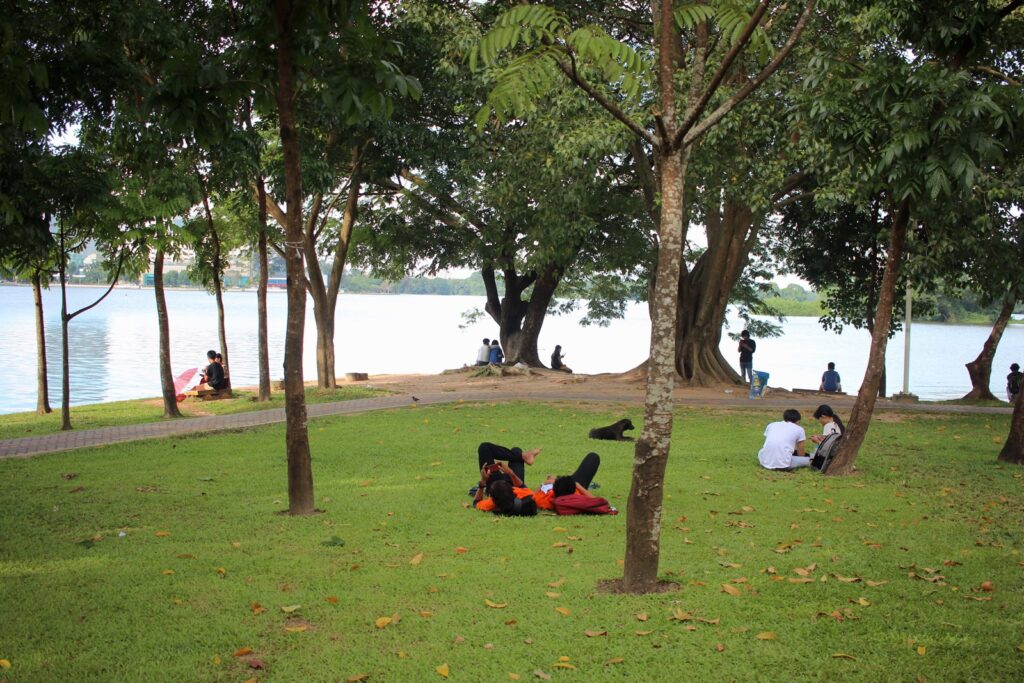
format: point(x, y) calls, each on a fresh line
point(746, 349)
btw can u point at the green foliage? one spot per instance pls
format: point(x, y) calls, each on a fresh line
point(896, 558)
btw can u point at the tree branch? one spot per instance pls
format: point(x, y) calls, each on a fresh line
point(995, 72)
point(716, 80)
point(113, 282)
point(717, 115)
point(610, 106)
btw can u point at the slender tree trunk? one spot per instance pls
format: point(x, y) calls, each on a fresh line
point(1013, 449)
point(864, 406)
point(42, 382)
point(166, 376)
point(644, 509)
point(300, 471)
point(261, 295)
point(65, 319)
point(980, 369)
point(218, 288)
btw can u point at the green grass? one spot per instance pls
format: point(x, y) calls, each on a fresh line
point(92, 416)
point(83, 603)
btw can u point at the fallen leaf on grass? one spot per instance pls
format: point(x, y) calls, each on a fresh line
point(719, 647)
point(461, 550)
point(731, 590)
point(642, 616)
point(921, 650)
point(357, 678)
point(243, 651)
point(443, 670)
point(614, 660)
point(513, 676)
point(541, 675)
point(186, 556)
point(800, 580)
point(564, 611)
point(594, 634)
point(416, 559)
point(168, 572)
point(766, 635)
point(333, 599)
point(495, 605)
point(297, 629)
point(257, 609)
point(557, 584)
point(426, 614)
point(842, 655)
point(987, 586)
point(382, 622)
point(552, 594)
point(162, 534)
point(5, 664)
point(288, 609)
point(563, 665)
point(644, 633)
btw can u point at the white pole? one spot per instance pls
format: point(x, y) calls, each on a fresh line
point(906, 344)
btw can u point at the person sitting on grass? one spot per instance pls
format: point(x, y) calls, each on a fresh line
point(830, 423)
point(502, 490)
point(213, 375)
point(484, 352)
point(556, 360)
point(784, 444)
point(496, 356)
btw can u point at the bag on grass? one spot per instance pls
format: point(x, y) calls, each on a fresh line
point(822, 457)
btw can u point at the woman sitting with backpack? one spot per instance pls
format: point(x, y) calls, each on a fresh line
point(830, 423)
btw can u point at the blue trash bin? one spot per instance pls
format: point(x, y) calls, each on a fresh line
point(758, 383)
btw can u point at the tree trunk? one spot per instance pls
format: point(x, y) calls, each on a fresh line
point(520, 322)
point(166, 376)
point(65, 319)
point(864, 406)
point(980, 369)
point(646, 494)
point(300, 471)
point(704, 296)
point(261, 296)
point(42, 382)
point(218, 289)
point(1013, 449)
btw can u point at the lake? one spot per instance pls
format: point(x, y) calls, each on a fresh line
point(114, 347)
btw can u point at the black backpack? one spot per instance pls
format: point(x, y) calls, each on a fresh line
point(822, 457)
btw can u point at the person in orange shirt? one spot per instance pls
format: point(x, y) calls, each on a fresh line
point(502, 490)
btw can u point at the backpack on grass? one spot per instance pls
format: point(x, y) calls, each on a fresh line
point(822, 457)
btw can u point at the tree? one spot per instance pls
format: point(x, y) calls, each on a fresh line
point(909, 105)
point(583, 54)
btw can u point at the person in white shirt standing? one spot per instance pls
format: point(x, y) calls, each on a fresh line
point(483, 353)
point(784, 444)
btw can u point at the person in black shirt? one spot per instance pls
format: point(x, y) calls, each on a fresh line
point(213, 375)
point(746, 349)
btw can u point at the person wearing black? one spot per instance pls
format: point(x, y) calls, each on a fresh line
point(1013, 382)
point(213, 375)
point(746, 349)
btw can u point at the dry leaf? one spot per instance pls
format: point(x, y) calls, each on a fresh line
point(333, 599)
point(594, 634)
point(987, 587)
point(615, 660)
point(443, 670)
point(719, 647)
point(564, 611)
point(162, 534)
point(215, 660)
point(731, 590)
point(842, 655)
point(541, 675)
point(461, 550)
point(186, 556)
point(552, 594)
point(288, 609)
point(426, 614)
point(417, 559)
point(243, 651)
point(559, 544)
point(168, 572)
point(297, 629)
point(563, 665)
point(557, 584)
point(766, 635)
point(512, 676)
point(257, 609)
point(863, 602)
point(921, 650)
point(642, 616)
point(382, 622)
point(5, 664)
point(644, 633)
point(495, 605)
point(357, 678)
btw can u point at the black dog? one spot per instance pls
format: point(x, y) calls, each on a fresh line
point(613, 432)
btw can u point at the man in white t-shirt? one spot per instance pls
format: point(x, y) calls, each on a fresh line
point(483, 352)
point(784, 444)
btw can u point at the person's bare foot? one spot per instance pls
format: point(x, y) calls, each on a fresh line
point(530, 456)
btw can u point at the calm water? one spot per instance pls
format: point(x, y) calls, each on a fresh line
point(114, 352)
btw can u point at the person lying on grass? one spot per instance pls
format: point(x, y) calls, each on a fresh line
point(502, 490)
point(784, 444)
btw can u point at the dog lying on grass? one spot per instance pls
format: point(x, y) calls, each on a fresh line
point(613, 432)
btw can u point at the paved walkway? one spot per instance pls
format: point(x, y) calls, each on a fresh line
point(84, 438)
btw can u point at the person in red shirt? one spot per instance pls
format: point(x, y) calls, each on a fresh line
point(502, 490)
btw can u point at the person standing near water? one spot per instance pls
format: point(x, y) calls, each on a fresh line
point(746, 349)
point(1013, 381)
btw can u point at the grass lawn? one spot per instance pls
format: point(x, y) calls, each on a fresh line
point(169, 561)
point(92, 416)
